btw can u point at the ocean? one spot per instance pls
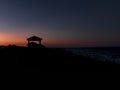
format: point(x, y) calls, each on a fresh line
point(107, 54)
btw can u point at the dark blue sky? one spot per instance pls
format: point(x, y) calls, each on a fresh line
point(62, 22)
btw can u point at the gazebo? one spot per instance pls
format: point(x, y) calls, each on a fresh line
point(34, 41)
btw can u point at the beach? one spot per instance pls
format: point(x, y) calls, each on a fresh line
point(52, 60)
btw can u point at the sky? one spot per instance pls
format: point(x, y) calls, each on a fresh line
point(61, 23)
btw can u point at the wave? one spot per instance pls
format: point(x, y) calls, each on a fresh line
point(111, 54)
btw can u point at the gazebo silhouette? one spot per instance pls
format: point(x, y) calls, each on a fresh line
point(34, 41)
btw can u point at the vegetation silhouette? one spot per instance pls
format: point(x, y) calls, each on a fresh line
point(49, 59)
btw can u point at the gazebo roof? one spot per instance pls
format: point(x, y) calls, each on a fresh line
point(34, 38)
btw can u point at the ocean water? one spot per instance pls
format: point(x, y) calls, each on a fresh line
point(109, 54)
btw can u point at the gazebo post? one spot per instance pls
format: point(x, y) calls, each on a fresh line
point(39, 42)
point(28, 41)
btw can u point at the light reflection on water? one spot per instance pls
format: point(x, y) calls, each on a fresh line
point(103, 54)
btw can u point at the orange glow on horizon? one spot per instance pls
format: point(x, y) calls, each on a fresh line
point(6, 39)
point(20, 40)
point(49, 39)
point(23, 42)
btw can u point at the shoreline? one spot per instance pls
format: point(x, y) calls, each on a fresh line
point(50, 59)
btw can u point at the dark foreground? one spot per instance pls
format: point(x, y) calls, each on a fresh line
point(51, 60)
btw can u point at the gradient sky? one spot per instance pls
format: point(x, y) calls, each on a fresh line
point(61, 23)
